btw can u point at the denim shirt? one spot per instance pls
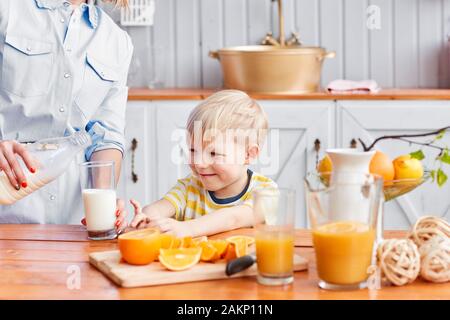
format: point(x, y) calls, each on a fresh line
point(61, 67)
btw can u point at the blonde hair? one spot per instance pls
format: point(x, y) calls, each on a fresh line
point(118, 3)
point(229, 109)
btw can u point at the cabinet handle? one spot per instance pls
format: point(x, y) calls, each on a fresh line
point(317, 145)
point(317, 149)
point(353, 143)
point(134, 144)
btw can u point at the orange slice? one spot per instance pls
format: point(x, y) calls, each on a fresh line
point(166, 240)
point(186, 242)
point(209, 252)
point(140, 247)
point(197, 241)
point(230, 253)
point(179, 259)
point(221, 247)
point(176, 243)
point(240, 246)
point(248, 239)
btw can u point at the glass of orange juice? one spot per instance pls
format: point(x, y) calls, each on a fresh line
point(274, 211)
point(343, 214)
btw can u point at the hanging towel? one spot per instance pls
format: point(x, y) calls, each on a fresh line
point(347, 86)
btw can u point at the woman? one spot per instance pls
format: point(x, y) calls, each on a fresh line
point(64, 64)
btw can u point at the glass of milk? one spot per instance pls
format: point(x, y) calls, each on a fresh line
point(99, 199)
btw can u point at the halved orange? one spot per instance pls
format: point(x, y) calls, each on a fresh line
point(179, 259)
point(248, 239)
point(140, 247)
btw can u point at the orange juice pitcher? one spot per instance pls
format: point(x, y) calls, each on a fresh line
point(343, 237)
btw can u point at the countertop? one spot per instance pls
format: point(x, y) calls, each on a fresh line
point(36, 262)
point(200, 94)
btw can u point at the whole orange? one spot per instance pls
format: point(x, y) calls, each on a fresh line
point(382, 165)
point(140, 247)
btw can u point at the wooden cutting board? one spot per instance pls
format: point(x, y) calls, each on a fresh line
point(126, 275)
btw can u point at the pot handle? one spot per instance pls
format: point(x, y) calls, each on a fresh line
point(329, 54)
point(214, 55)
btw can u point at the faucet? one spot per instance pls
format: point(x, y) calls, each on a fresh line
point(270, 40)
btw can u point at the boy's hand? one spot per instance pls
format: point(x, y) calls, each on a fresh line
point(140, 219)
point(172, 226)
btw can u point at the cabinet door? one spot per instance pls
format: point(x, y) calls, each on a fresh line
point(171, 117)
point(139, 157)
point(286, 157)
point(370, 119)
point(289, 152)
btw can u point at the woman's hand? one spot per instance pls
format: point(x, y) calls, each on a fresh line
point(121, 215)
point(10, 165)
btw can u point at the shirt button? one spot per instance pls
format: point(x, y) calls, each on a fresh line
point(28, 49)
point(62, 109)
point(62, 20)
point(52, 197)
point(66, 4)
point(66, 75)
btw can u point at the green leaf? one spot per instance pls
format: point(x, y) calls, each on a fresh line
point(445, 157)
point(441, 177)
point(433, 175)
point(440, 135)
point(417, 155)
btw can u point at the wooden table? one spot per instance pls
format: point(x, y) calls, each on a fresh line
point(38, 261)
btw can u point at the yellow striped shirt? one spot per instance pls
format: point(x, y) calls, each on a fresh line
point(191, 200)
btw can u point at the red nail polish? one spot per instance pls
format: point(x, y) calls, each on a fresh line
point(32, 170)
point(117, 223)
point(24, 184)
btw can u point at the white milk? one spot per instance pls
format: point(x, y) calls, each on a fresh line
point(9, 195)
point(100, 209)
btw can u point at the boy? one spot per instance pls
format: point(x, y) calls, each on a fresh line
point(225, 134)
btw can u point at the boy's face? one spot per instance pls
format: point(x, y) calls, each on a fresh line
point(218, 163)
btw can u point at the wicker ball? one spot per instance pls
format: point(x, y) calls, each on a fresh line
point(428, 227)
point(435, 259)
point(399, 260)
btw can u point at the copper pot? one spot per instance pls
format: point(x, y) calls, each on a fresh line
point(272, 69)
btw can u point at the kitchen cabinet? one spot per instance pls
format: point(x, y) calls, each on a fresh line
point(296, 128)
point(137, 176)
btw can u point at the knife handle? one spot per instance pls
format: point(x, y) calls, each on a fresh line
point(239, 264)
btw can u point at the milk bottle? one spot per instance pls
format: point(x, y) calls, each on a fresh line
point(53, 157)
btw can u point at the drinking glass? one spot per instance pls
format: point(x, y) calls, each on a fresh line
point(274, 237)
point(99, 199)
